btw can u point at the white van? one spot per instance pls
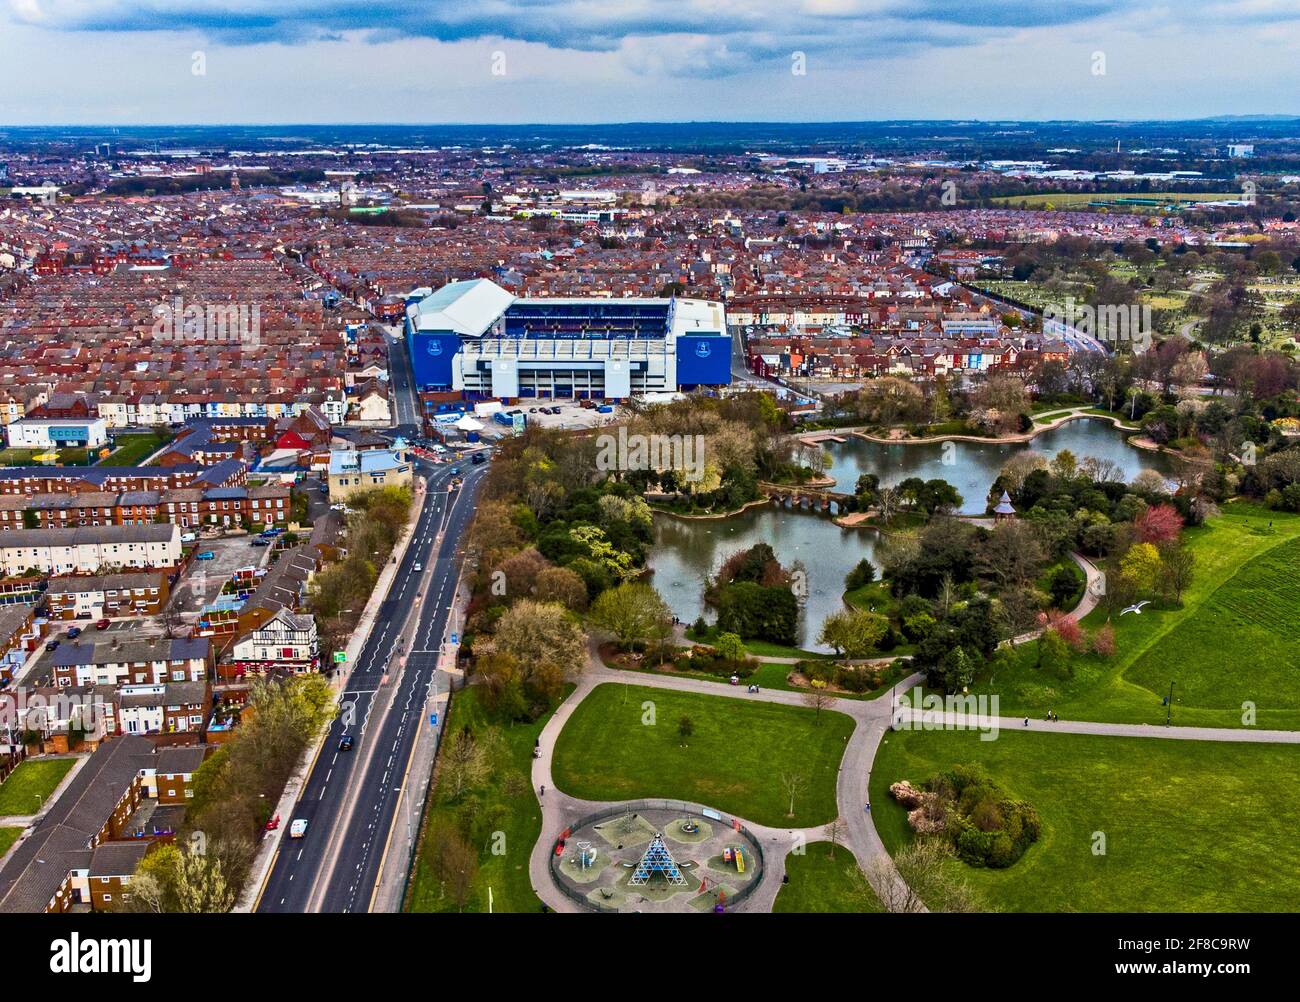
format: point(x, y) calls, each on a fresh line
point(298, 828)
point(188, 537)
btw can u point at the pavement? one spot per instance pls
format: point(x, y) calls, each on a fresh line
point(349, 799)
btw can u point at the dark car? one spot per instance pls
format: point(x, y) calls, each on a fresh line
point(261, 541)
point(52, 645)
point(477, 458)
point(74, 632)
point(345, 742)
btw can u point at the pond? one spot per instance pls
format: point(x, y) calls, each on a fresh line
point(972, 467)
point(686, 552)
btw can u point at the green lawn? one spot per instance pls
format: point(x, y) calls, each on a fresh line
point(8, 836)
point(133, 449)
point(771, 675)
point(825, 881)
point(1236, 639)
point(518, 817)
point(26, 457)
point(733, 761)
point(1188, 825)
point(33, 779)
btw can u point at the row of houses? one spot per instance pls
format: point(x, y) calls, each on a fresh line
point(187, 507)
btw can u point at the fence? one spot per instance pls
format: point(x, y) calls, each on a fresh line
point(674, 806)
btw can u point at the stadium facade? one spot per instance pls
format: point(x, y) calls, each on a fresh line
point(478, 339)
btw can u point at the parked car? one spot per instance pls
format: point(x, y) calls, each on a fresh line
point(74, 632)
point(345, 742)
point(206, 555)
point(188, 537)
point(53, 645)
point(261, 541)
point(101, 624)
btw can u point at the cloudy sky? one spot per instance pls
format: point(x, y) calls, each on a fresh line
point(306, 61)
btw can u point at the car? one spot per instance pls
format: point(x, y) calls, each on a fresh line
point(74, 632)
point(101, 624)
point(274, 530)
point(53, 645)
point(345, 742)
point(419, 566)
point(261, 541)
point(324, 488)
point(455, 471)
point(478, 458)
point(205, 555)
point(298, 828)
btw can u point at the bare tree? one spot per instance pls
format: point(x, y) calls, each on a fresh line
point(835, 831)
point(919, 879)
point(817, 697)
point(792, 783)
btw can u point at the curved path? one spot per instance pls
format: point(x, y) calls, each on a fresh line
point(871, 719)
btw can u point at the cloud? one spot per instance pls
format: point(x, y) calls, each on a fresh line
point(587, 25)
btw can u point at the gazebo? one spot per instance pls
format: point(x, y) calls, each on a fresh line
point(1004, 510)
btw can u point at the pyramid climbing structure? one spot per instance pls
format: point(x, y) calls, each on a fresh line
point(657, 859)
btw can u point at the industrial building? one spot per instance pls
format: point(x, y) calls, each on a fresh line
point(477, 338)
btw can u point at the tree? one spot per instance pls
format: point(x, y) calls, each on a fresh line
point(730, 647)
point(173, 880)
point(452, 859)
point(1159, 523)
point(538, 634)
point(1013, 554)
point(835, 830)
point(630, 612)
point(863, 573)
point(919, 878)
point(854, 632)
point(562, 585)
point(1177, 566)
point(464, 764)
point(792, 783)
point(1140, 565)
point(817, 698)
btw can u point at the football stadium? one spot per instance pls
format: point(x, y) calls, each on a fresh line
point(476, 338)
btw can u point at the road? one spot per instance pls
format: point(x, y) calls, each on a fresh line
point(349, 798)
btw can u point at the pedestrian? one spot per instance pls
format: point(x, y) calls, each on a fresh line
point(1026, 721)
point(543, 793)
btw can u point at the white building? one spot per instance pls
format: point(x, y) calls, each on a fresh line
point(57, 433)
point(90, 550)
point(286, 642)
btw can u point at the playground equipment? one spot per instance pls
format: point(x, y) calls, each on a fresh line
point(657, 859)
point(733, 854)
point(586, 855)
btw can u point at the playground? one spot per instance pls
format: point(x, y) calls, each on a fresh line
point(657, 860)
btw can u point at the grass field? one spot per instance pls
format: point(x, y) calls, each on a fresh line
point(28, 786)
point(26, 457)
point(8, 836)
point(133, 449)
point(1079, 199)
point(519, 818)
point(1188, 825)
point(733, 761)
point(822, 880)
point(1236, 639)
